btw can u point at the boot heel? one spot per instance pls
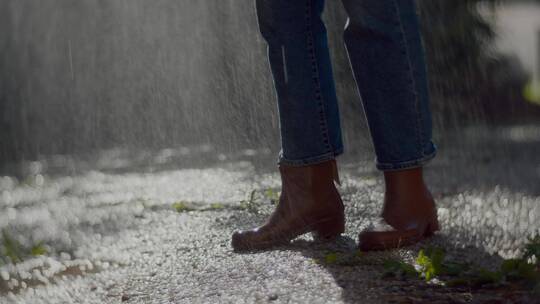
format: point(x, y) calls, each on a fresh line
point(329, 229)
point(432, 227)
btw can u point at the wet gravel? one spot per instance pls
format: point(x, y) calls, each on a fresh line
point(113, 236)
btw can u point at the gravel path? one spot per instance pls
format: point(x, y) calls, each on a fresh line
point(113, 236)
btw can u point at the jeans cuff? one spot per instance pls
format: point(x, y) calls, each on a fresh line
point(410, 164)
point(313, 160)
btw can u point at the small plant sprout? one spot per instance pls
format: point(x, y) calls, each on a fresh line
point(430, 262)
point(532, 250)
point(272, 195)
point(331, 258)
point(13, 251)
point(250, 204)
point(215, 207)
point(182, 206)
point(38, 249)
point(396, 268)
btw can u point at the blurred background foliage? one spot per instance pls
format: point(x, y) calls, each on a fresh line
point(470, 79)
point(78, 76)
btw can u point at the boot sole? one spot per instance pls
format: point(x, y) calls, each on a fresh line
point(400, 242)
point(324, 230)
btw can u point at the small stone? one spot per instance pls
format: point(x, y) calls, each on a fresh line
point(273, 297)
point(125, 297)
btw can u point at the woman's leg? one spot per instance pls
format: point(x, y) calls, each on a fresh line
point(385, 49)
point(300, 63)
point(309, 123)
point(386, 53)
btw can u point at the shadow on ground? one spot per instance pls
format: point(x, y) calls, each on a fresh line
point(392, 289)
point(362, 277)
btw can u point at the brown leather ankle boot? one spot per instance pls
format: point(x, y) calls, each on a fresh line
point(409, 213)
point(309, 202)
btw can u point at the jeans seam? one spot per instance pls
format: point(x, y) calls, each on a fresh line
point(409, 164)
point(310, 160)
point(419, 134)
point(315, 75)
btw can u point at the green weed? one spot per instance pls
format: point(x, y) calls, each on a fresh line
point(396, 268)
point(182, 206)
point(344, 259)
point(255, 198)
point(38, 249)
point(250, 204)
point(519, 269)
point(215, 207)
point(331, 258)
point(532, 249)
point(272, 195)
point(12, 251)
point(430, 262)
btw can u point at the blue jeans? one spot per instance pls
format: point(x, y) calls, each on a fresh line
point(386, 54)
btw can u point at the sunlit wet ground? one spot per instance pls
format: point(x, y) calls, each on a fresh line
point(111, 233)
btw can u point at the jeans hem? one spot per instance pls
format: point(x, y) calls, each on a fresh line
point(410, 164)
point(310, 160)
